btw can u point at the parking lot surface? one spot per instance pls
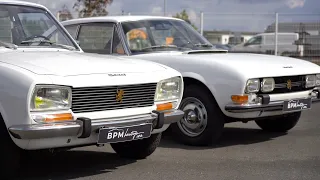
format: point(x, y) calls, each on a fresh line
point(244, 152)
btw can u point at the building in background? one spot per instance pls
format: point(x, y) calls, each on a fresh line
point(228, 37)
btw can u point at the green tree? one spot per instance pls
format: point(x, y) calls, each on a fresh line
point(91, 8)
point(184, 16)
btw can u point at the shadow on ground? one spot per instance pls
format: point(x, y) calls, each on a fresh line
point(231, 136)
point(70, 164)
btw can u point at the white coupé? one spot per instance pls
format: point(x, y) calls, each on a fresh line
point(54, 96)
point(220, 87)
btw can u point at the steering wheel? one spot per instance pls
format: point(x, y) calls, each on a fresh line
point(37, 36)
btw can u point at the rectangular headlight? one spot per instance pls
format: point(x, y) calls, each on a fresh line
point(310, 81)
point(47, 97)
point(169, 89)
point(267, 84)
point(253, 86)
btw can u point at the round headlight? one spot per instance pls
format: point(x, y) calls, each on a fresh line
point(267, 84)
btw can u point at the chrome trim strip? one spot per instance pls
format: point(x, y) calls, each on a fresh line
point(74, 128)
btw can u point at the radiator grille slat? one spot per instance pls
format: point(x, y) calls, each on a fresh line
point(91, 99)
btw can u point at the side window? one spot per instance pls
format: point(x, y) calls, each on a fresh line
point(72, 29)
point(117, 47)
point(254, 41)
point(5, 27)
point(96, 38)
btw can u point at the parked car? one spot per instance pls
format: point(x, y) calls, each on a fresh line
point(54, 96)
point(265, 43)
point(220, 87)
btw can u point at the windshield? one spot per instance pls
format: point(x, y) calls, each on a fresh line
point(25, 26)
point(163, 35)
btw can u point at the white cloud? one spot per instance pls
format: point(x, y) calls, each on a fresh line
point(295, 3)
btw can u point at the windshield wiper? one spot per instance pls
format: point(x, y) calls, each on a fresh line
point(50, 42)
point(203, 45)
point(8, 45)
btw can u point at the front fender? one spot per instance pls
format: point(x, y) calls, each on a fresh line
point(221, 82)
point(16, 85)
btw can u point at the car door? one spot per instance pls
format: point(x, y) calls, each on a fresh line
point(253, 45)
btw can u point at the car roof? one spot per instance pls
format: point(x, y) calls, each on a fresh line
point(116, 19)
point(22, 3)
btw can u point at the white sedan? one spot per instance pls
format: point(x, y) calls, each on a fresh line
point(220, 87)
point(53, 96)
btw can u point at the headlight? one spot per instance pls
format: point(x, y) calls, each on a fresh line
point(253, 86)
point(267, 84)
point(169, 89)
point(310, 81)
point(51, 98)
point(318, 80)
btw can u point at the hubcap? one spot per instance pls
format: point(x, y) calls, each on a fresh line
point(195, 117)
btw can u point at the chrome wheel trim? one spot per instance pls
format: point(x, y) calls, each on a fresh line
point(195, 118)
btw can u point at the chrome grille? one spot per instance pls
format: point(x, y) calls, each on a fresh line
point(297, 84)
point(91, 99)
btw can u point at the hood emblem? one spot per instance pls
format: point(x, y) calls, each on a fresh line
point(287, 67)
point(289, 84)
point(119, 95)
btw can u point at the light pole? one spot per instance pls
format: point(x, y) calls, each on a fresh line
point(164, 7)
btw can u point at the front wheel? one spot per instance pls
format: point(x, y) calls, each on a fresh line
point(279, 124)
point(137, 149)
point(203, 121)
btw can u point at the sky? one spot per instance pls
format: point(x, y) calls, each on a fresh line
point(234, 15)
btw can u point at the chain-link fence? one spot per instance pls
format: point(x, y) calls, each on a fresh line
point(294, 35)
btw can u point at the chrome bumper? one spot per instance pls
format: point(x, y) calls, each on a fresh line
point(270, 106)
point(84, 127)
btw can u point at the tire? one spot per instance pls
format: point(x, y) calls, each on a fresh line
point(206, 113)
point(137, 149)
point(279, 124)
point(11, 154)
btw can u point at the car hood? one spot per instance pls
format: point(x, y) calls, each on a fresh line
point(67, 63)
point(245, 64)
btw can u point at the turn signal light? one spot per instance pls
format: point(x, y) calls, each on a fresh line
point(163, 107)
point(240, 99)
point(58, 117)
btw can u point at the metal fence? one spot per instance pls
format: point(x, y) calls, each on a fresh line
point(282, 34)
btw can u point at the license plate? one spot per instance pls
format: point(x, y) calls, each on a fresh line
point(297, 104)
point(122, 134)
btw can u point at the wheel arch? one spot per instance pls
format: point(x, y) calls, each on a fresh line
point(192, 78)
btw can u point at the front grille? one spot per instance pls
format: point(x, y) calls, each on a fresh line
point(92, 99)
point(281, 84)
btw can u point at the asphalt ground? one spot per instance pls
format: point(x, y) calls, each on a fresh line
point(244, 152)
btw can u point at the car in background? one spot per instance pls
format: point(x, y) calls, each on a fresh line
point(56, 97)
point(265, 43)
point(219, 87)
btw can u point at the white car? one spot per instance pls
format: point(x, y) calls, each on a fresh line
point(54, 96)
point(220, 87)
